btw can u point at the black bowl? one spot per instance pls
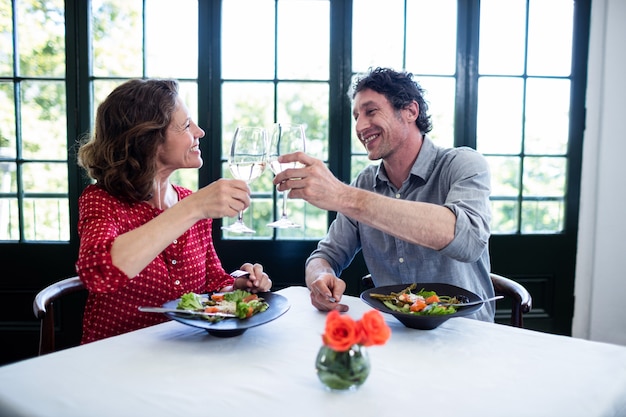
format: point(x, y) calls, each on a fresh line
point(424, 322)
point(278, 305)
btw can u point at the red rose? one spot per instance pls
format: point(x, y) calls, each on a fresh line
point(374, 329)
point(341, 332)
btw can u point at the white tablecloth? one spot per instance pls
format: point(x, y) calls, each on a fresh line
point(463, 368)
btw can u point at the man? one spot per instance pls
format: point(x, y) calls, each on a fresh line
point(422, 215)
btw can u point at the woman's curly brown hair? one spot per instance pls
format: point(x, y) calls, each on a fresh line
point(130, 124)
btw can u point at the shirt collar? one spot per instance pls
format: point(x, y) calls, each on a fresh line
point(423, 166)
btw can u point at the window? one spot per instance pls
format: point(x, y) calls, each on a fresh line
point(34, 204)
point(498, 78)
point(275, 68)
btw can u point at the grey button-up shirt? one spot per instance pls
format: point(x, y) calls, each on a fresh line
point(457, 178)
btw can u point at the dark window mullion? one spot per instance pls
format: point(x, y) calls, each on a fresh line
point(466, 103)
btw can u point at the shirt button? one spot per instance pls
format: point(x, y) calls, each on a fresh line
point(173, 261)
point(401, 260)
point(398, 195)
point(177, 282)
point(175, 241)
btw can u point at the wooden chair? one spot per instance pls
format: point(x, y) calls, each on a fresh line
point(521, 299)
point(519, 296)
point(44, 309)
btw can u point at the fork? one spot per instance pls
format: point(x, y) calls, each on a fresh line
point(238, 273)
point(471, 303)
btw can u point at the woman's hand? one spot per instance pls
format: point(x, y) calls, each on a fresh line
point(256, 281)
point(221, 198)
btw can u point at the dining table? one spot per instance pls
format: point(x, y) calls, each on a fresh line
point(464, 367)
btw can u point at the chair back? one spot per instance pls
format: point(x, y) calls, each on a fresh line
point(521, 299)
point(516, 292)
point(43, 307)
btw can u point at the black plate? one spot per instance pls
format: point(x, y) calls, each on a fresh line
point(278, 305)
point(422, 322)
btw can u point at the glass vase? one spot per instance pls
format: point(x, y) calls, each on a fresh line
point(342, 370)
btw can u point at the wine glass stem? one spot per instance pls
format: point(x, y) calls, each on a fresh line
point(284, 215)
point(240, 217)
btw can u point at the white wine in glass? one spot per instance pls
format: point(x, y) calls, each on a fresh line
point(247, 161)
point(285, 138)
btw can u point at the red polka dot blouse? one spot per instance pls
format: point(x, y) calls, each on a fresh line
point(189, 263)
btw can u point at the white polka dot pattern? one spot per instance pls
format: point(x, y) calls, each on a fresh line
point(188, 264)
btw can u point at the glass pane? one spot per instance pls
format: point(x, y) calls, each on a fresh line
point(505, 175)
point(101, 89)
point(7, 120)
point(248, 39)
point(439, 95)
point(427, 19)
point(245, 104)
point(547, 116)
point(307, 104)
point(117, 35)
point(544, 177)
point(504, 217)
point(502, 37)
point(542, 216)
point(44, 128)
point(6, 42)
point(377, 34)
point(172, 38)
point(46, 219)
point(8, 182)
point(499, 124)
point(550, 37)
point(44, 178)
point(303, 57)
point(9, 219)
point(41, 38)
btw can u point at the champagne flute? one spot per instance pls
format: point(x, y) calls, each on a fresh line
point(285, 138)
point(247, 161)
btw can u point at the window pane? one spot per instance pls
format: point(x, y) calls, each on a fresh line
point(117, 35)
point(172, 38)
point(9, 219)
point(6, 41)
point(299, 56)
point(46, 219)
point(248, 39)
point(544, 177)
point(504, 216)
point(44, 128)
point(7, 120)
point(45, 177)
point(245, 104)
point(427, 19)
point(440, 97)
point(505, 175)
point(499, 124)
point(8, 183)
point(377, 34)
point(502, 37)
point(299, 103)
point(41, 38)
point(542, 216)
point(547, 116)
point(550, 37)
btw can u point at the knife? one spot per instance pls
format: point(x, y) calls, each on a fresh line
point(179, 311)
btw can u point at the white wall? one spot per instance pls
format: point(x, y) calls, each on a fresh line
point(600, 307)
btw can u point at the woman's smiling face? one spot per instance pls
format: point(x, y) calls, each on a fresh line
point(182, 140)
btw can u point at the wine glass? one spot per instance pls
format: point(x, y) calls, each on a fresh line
point(247, 161)
point(285, 138)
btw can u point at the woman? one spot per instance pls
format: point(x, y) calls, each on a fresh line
point(143, 240)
